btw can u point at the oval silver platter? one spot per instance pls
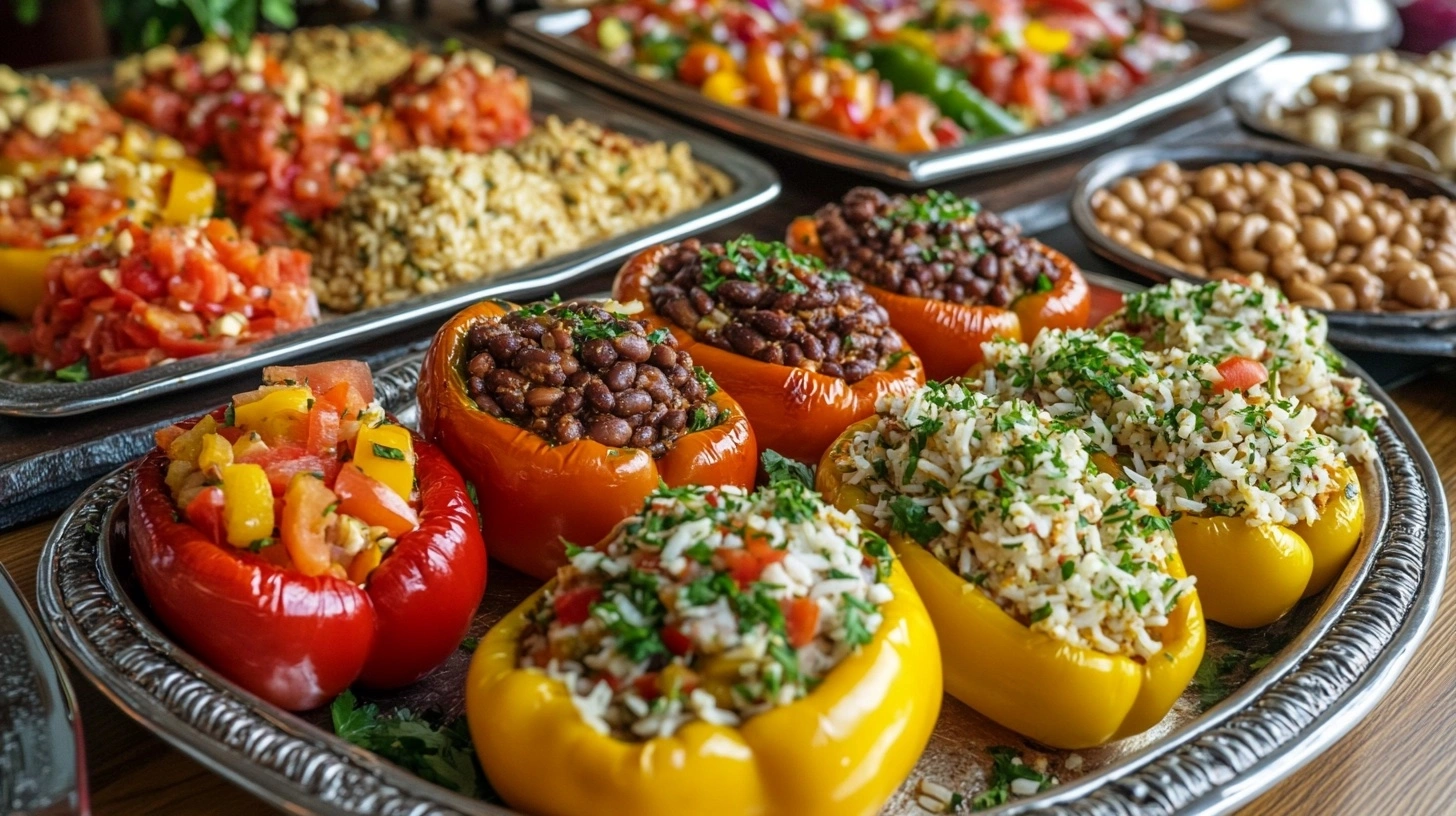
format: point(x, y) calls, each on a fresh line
point(1281, 694)
point(1416, 332)
point(755, 184)
point(547, 35)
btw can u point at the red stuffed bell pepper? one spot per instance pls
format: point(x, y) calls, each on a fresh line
point(565, 417)
point(299, 541)
point(951, 275)
point(802, 348)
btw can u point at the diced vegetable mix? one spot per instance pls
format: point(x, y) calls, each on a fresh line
point(306, 471)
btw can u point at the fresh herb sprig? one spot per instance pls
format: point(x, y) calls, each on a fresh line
point(424, 745)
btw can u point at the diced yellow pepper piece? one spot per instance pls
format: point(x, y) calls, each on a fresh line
point(186, 447)
point(280, 413)
point(916, 38)
point(217, 452)
point(191, 196)
point(387, 454)
point(1046, 39)
point(177, 472)
point(247, 504)
point(23, 271)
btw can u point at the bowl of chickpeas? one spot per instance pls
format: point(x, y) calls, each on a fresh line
point(1370, 243)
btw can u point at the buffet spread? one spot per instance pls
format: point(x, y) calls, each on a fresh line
point(895, 509)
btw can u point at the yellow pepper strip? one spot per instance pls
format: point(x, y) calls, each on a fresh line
point(726, 87)
point(1055, 693)
point(278, 414)
point(247, 504)
point(191, 196)
point(843, 749)
point(1251, 575)
point(387, 454)
point(22, 278)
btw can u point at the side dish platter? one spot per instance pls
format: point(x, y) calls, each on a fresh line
point(747, 183)
point(1322, 259)
point(550, 35)
point(1008, 512)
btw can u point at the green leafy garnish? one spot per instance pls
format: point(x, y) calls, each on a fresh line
point(913, 520)
point(780, 468)
point(76, 372)
point(1006, 767)
point(424, 745)
point(386, 452)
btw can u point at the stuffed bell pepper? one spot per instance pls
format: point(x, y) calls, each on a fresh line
point(1266, 510)
point(802, 348)
point(76, 203)
point(1062, 608)
point(565, 416)
point(722, 652)
point(299, 541)
point(950, 275)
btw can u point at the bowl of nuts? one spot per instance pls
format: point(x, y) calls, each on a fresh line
point(1370, 243)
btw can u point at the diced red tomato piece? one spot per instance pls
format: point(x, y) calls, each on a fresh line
point(801, 618)
point(676, 641)
point(573, 606)
point(205, 513)
point(646, 686)
point(1240, 374)
point(747, 564)
point(321, 378)
point(373, 502)
point(323, 429)
point(285, 460)
point(305, 523)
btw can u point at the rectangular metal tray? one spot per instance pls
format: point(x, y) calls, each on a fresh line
point(546, 34)
point(755, 184)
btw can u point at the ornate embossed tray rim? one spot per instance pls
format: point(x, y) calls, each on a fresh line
point(1318, 687)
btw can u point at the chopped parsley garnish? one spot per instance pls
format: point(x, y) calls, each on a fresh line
point(424, 745)
point(780, 468)
point(76, 372)
point(386, 452)
point(1007, 767)
point(913, 520)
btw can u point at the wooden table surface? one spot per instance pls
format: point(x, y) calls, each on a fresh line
point(1398, 761)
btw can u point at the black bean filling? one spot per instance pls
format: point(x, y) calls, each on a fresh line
point(568, 372)
point(762, 301)
point(934, 245)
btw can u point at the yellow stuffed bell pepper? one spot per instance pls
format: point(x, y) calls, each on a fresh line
point(1058, 694)
point(1251, 575)
point(842, 749)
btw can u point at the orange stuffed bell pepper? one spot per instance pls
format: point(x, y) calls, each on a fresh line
point(802, 348)
point(1068, 620)
point(82, 203)
point(731, 681)
point(565, 417)
point(950, 275)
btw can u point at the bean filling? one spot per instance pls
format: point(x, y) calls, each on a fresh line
point(763, 301)
point(568, 372)
point(934, 245)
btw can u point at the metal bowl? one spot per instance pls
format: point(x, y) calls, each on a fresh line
point(1387, 331)
point(1329, 662)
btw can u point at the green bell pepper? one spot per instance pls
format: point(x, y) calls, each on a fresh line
point(911, 70)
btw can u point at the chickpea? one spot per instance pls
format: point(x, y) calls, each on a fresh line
point(1307, 197)
point(1447, 286)
point(1346, 253)
point(1353, 203)
point(1131, 191)
point(1443, 264)
point(1318, 236)
point(1140, 247)
point(1255, 182)
point(1227, 273)
point(1109, 207)
point(1121, 235)
point(1369, 290)
point(1420, 292)
point(1225, 224)
point(1341, 295)
point(1400, 253)
point(1188, 248)
point(1167, 258)
point(1354, 182)
point(1133, 221)
point(1315, 274)
point(1359, 230)
point(1214, 255)
point(1166, 199)
point(1279, 211)
point(1211, 181)
point(1308, 295)
point(1375, 254)
point(1324, 179)
point(1335, 212)
point(1161, 233)
point(1206, 211)
point(1187, 218)
point(1287, 266)
point(1229, 199)
point(1250, 260)
point(1250, 228)
point(1197, 269)
point(1279, 238)
point(1168, 171)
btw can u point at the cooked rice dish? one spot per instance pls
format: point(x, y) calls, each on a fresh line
point(1203, 449)
point(1222, 318)
point(1007, 497)
point(713, 605)
point(431, 218)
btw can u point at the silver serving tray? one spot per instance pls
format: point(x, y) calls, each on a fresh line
point(547, 34)
point(755, 184)
point(1330, 662)
point(1427, 332)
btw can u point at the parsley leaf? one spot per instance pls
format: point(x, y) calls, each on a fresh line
point(424, 745)
point(76, 372)
point(781, 468)
point(913, 520)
